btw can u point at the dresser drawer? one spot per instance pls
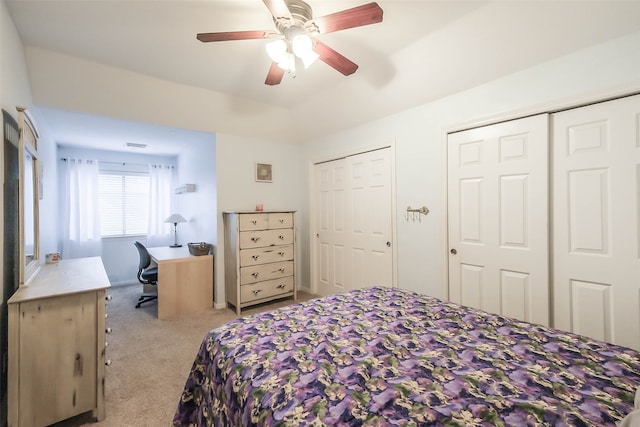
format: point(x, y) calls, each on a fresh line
point(261, 272)
point(262, 238)
point(280, 220)
point(265, 221)
point(257, 221)
point(269, 288)
point(265, 255)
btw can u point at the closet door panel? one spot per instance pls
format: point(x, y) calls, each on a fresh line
point(331, 232)
point(498, 218)
point(596, 257)
point(353, 218)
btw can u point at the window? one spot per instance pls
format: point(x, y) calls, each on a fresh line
point(124, 204)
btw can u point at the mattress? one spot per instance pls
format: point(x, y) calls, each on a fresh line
point(390, 357)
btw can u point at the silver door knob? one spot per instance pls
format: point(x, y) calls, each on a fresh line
point(453, 251)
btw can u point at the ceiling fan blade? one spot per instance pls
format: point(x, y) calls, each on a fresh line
point(234, 35)
point(274, 77)
point(358, 16)
point(334, 59)
point(278, 9)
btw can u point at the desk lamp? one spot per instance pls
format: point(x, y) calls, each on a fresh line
point(175, 219)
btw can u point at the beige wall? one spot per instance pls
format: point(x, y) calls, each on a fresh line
point(238, 190)
point(420, 144)
point(62, 81)
point(417, 134)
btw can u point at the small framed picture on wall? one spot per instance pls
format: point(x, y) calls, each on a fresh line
point(263, 172)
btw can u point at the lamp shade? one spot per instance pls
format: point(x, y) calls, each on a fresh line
point(175, 218)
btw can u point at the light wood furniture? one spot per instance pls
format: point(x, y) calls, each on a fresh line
point(57, 347)
point(28, 201)
point(259, 257)
point(185, 281)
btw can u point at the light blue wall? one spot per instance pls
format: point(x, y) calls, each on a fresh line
point(119, 255)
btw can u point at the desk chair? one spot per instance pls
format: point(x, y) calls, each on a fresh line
point(146, 275)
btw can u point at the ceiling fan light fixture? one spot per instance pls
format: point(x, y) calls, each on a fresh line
point(292, 43)
point(288, 63)
point(277, 50)
point(302, 47)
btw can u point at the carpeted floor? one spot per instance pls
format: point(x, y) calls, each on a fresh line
point(150, 358)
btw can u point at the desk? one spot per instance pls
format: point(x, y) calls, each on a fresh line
point(185, 282)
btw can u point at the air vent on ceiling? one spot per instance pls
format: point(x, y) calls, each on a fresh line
point(135, 145)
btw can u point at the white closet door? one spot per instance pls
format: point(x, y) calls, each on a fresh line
point(353, 223)
point(498, 218)
point(596, 173)
point(330, 227)
point(368, 216)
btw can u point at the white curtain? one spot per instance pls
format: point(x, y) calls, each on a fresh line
point(160, 198)
point(81, 219)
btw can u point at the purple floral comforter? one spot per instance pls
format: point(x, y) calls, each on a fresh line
point(389, 357)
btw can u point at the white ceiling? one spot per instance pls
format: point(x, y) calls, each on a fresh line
point(423, 50)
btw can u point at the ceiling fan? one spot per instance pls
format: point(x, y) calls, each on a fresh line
point(295, 39)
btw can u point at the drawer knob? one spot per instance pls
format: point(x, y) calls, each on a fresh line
point(108, 362)
point(255, 257)
point(281, 253)
point(257, 291)
point(255, 275)
point(106, 315)
point(254, 222)
point(106, 343)
point(108, 297)
point(281, 221)
point(108, 330)
point(281, 270)
point(281, 286)
point(255, 239)
point(281, 237)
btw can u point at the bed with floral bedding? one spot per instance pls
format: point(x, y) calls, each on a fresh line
point(389, 357)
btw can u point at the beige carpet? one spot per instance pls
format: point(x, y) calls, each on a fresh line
point(151, 358)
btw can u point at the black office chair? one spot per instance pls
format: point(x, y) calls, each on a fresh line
point(146, 275)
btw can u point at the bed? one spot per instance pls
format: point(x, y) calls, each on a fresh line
point(390, 357)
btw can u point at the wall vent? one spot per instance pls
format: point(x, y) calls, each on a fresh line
point(135, 145)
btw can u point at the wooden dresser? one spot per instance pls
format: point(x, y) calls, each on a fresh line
point(57, 346)
point(259, 257)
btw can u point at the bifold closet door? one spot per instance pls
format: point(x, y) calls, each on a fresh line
point(353, 222)
point(498, 218)
point(330, 227)
point(596, 254)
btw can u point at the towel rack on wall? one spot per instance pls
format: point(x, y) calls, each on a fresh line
point(416, 214)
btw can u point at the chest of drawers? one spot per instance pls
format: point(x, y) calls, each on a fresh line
point(259, 255)
point(57, 344)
